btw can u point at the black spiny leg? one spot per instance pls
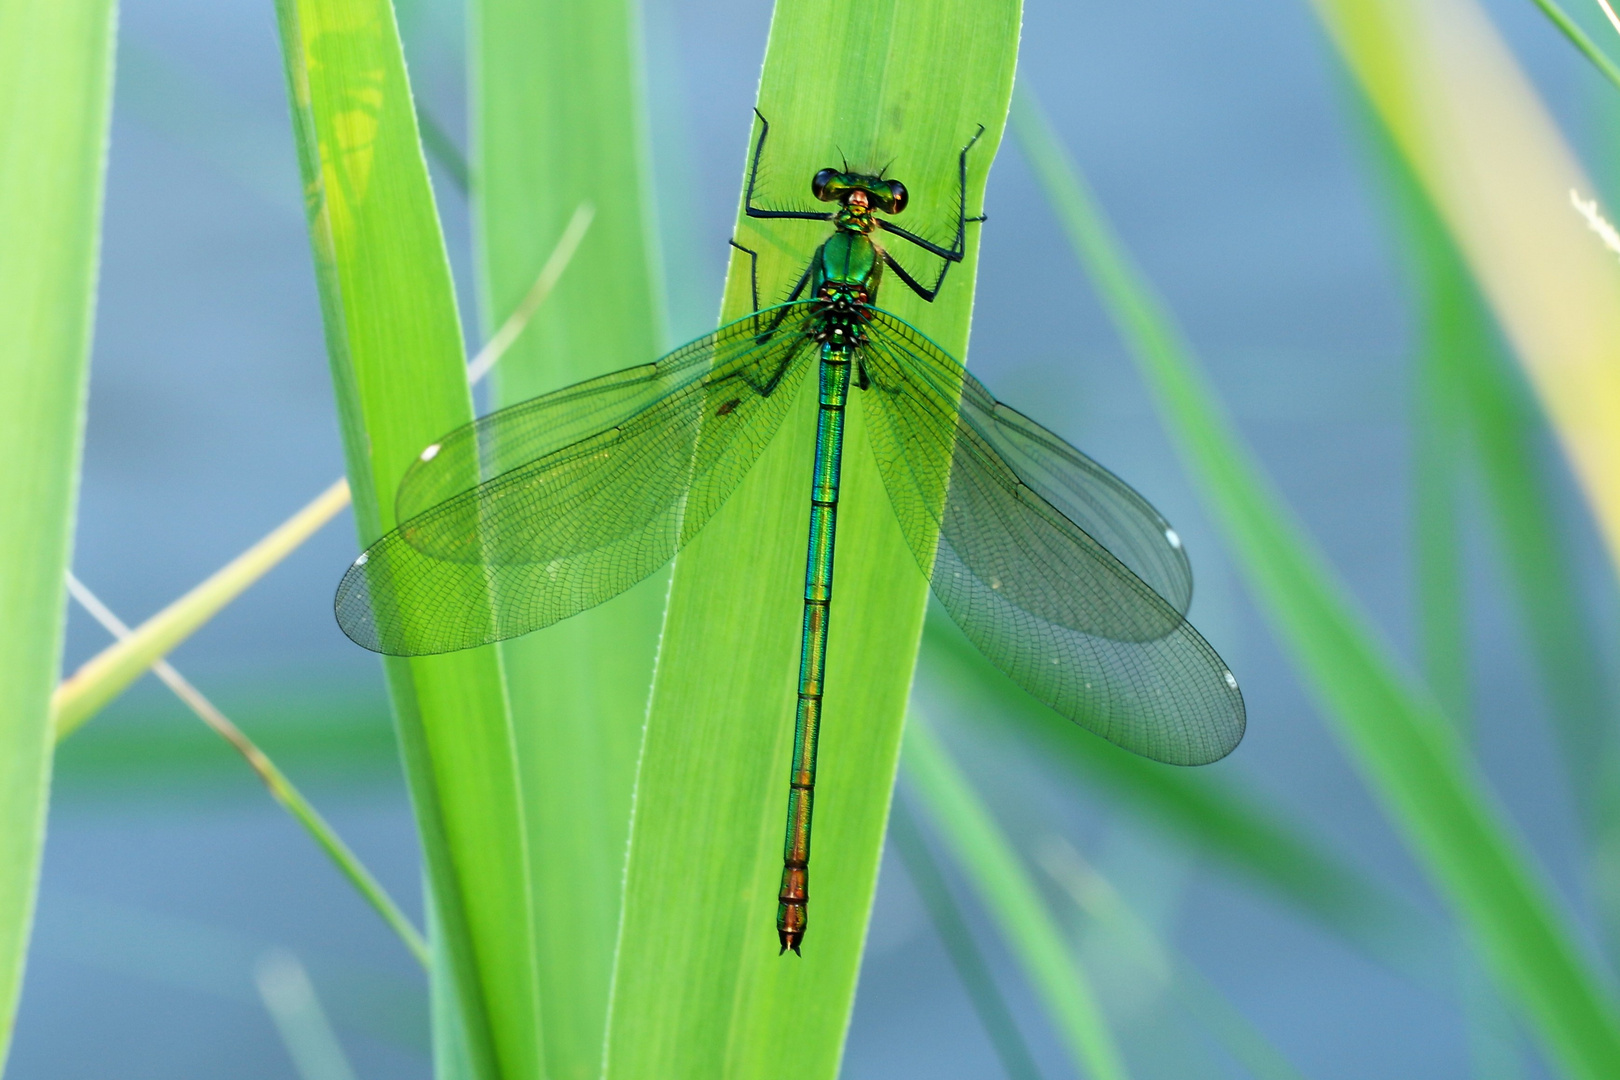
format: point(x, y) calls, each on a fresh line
point(753, 175)
point(753, 271)
point(952, 254)
point(753, 288)
point(912, 283)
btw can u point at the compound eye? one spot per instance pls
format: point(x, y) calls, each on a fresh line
point(818, 185)
point(897, 196)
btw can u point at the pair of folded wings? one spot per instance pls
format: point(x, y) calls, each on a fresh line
point(1064, 577)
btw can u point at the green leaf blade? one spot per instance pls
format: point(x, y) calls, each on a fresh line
point(1470, 385)
point(394, 343)
point(56, 63)
point(558, 124)
point(700, 990)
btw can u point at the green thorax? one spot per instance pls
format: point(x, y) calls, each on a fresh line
point(848, 265)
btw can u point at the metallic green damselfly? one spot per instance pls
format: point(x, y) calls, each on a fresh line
point(1059, 572)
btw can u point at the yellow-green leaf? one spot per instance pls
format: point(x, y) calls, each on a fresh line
point(1497, 169)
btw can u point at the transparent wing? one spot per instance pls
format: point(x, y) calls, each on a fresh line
point(1057, 571)
point(539, 511)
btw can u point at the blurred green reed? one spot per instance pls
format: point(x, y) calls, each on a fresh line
point(1009, 892)
point(1476, 418)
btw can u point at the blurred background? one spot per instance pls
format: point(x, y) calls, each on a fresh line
point(1232, 154)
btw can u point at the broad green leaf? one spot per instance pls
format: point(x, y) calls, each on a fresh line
point(1005, 886)
point(557, 123)
point(699, 989)
point(394, 343)
point(56, 66)
point(1411, 756)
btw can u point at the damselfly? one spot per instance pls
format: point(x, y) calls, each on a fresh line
point(1063, 576)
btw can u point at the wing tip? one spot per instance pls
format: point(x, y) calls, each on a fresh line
point(1228, 732)
point(351, 606)
point(354, 607)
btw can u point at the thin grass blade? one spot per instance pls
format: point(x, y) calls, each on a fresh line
point(977, 979)
point(1096, 898)
point(1006, 887)
point(281, 788)
point(109, 673)
point(394, 342)
point(56, 63)
point(1409, 753)
point(1581, 40)
point(289, 998)
point(1437, 487)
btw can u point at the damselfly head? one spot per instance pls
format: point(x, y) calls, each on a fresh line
point(833, 185)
